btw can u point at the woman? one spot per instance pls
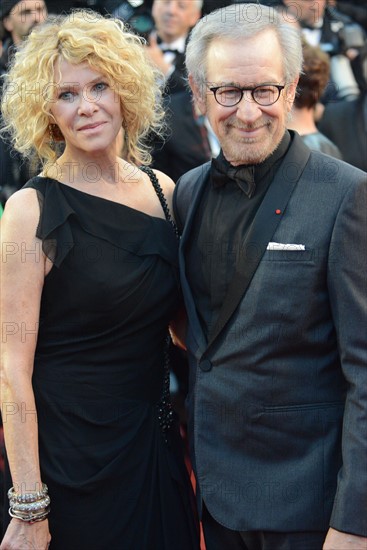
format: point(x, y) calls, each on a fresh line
point(89, 285)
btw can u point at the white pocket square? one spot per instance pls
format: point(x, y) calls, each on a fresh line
point(285, 246)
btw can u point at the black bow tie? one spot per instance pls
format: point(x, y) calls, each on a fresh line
point(223, 172)
point(168, 50)
point(164, 49)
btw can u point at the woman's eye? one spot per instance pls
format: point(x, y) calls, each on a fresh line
point(100, 86)
point(66, 96)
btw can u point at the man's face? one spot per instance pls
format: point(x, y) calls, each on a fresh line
point(308, 11)
point(174, 18)
point(248, 133)
point(23, 17)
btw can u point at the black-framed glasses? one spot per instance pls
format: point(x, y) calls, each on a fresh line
point(264, 95)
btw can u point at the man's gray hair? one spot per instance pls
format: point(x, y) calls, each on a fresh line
point(242, 21)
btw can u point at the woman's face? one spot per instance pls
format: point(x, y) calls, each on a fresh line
point(85, 108)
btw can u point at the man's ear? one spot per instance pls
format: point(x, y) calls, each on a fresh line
point(290, 92)
point(199, 95)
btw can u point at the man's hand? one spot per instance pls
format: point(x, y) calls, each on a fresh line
point(336, 540)
point(156, 55)
point(178, 328)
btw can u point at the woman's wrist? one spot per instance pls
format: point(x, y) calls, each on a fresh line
point(29, 506)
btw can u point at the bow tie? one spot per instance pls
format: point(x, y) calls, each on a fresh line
point(164, 48)
point(169, 50)
point(223, 172)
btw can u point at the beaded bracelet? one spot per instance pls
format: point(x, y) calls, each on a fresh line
point(32, 496)
point(29, 507)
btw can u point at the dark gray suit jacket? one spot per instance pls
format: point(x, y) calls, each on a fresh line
point(278, 394)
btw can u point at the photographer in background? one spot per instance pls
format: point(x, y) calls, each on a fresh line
point(356, 10)
point(336, 34)
point(345, 122)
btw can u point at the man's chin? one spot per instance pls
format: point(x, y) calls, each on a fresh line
point(244, 155)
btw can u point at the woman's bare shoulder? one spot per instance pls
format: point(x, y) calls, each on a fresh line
point(21, 212)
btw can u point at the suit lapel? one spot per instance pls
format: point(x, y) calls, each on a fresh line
point(198, 186)
point(262, 229)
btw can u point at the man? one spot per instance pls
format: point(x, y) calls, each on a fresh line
point(173, 20)
point(18, 19)
point(273, 262)
point(186, 144)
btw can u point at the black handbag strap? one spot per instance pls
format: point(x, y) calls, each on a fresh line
point(162, 199)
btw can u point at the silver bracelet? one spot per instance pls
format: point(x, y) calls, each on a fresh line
point(30, 518)
point(29, 506)
point(32, 496)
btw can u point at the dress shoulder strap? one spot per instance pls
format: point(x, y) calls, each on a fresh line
point(162, 199)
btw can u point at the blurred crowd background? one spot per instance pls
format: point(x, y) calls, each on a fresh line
point(334, 80)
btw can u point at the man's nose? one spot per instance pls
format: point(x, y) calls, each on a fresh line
point(247, 108)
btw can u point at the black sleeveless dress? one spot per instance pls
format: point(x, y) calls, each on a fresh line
point(116, 476)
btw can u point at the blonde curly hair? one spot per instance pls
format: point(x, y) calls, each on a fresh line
point(110, 49)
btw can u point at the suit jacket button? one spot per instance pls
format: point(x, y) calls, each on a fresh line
point(205, 365)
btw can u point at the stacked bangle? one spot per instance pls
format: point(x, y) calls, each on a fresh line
point(29, 507)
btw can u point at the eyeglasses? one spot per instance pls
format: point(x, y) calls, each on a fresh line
point(264, 95)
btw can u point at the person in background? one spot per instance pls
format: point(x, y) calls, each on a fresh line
point(336, 34)
point(166, 48)
point(185, 144)
point(273, 259)
point(89, 285)
point(18, 18)
point(311, 84)
point(345, 122)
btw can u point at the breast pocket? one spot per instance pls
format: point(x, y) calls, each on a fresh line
point(290, 256)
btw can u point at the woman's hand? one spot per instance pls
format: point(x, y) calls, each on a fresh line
point(26, 536)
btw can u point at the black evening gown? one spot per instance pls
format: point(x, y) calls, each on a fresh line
point(116, 477)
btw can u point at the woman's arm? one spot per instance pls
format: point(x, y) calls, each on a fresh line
point(23, 268)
